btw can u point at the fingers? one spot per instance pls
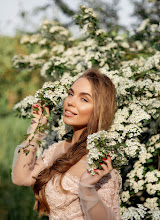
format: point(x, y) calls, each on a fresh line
point(38, 109)
point(108, 162)
point(34, 109)
point(106, 167)
point(40, 113)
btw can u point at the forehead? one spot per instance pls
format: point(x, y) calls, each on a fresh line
point(82, 85)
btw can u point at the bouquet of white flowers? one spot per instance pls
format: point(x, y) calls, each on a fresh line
point(102, 144)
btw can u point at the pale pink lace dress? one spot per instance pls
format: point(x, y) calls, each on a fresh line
point(75, 204)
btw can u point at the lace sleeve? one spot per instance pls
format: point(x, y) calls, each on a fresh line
point(101, 201)
point(25, 167)
point(52, 153)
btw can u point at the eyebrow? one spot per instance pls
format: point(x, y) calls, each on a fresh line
point(81, 93)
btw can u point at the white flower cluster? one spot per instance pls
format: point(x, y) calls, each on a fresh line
point(153, 176)
point(139, 179)
point(28, 61)
point(143, 25)
point(125, 196)
point(30, 39)
point(132, 147)
point(151, 203)
point(88, 11)
point(138, 114)
point(155, 214)
point(133, 213)
point(55, 92)
point(152, 189)
point(62, 129)
point(100, 145)
point(25, 105)
point(61, 30)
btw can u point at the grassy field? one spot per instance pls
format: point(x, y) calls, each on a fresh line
point(16, 202)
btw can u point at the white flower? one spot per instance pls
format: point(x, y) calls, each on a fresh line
point(48, 85)
point(26, 102)
point(134, 213)
point(152, 188)
point(154, 27)
point(138, 114)
point(119, 37)
point(155, 214)
point(25, 39)
point(125, 196)
point(157, 146)
point(58, 49)
point(62, 129)
point(154, 139)
point(34, 38)
point(111, 45)
point(143, 25)
point(43, 41)
point(100, 31)
point(124, 44)
point(46, 22)
point(151, 203)
point(152, 176)
point(143, 156)
point(132, 146)
point(139, 45)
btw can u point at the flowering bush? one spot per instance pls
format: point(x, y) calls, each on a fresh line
point(134, 135)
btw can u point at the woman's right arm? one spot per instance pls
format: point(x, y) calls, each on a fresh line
point(25, 166)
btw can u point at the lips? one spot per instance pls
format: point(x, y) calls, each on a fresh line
point(68, 112)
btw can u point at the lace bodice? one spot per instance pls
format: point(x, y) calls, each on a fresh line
point(67, 206)
point(62, 205)
point(75, 204)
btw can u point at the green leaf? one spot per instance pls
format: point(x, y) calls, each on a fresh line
point(27, 152)
point(149, 160)
point(35, 109)
point(98, 166)
point(39, 142)
point(151, 168)
point(44, 112)
point(31, 116)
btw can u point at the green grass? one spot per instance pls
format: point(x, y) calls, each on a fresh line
point(16, 202)
point(11, 131)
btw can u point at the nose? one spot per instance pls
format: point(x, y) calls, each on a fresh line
point(71, 101)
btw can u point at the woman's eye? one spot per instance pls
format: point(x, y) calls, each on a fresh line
point(84, 99)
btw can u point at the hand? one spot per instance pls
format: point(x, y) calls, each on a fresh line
point(88, 178)
point(37, 111)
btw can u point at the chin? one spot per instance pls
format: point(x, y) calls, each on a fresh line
point(74, 123)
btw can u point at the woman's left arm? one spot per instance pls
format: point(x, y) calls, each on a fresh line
point(104, 204)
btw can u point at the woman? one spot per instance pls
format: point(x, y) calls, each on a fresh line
point(63, 187)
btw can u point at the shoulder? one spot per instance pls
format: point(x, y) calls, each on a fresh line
point(52, 147)
point(52, 152)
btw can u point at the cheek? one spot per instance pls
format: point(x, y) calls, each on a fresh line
point(86, 110)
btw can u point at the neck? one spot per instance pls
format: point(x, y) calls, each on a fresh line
point(76, 134)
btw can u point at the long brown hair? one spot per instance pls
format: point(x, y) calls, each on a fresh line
point(104, 100)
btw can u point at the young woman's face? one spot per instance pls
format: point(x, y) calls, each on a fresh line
point(78, 105)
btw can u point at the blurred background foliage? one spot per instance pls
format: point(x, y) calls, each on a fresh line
point(17, 202)
point(14, 86)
